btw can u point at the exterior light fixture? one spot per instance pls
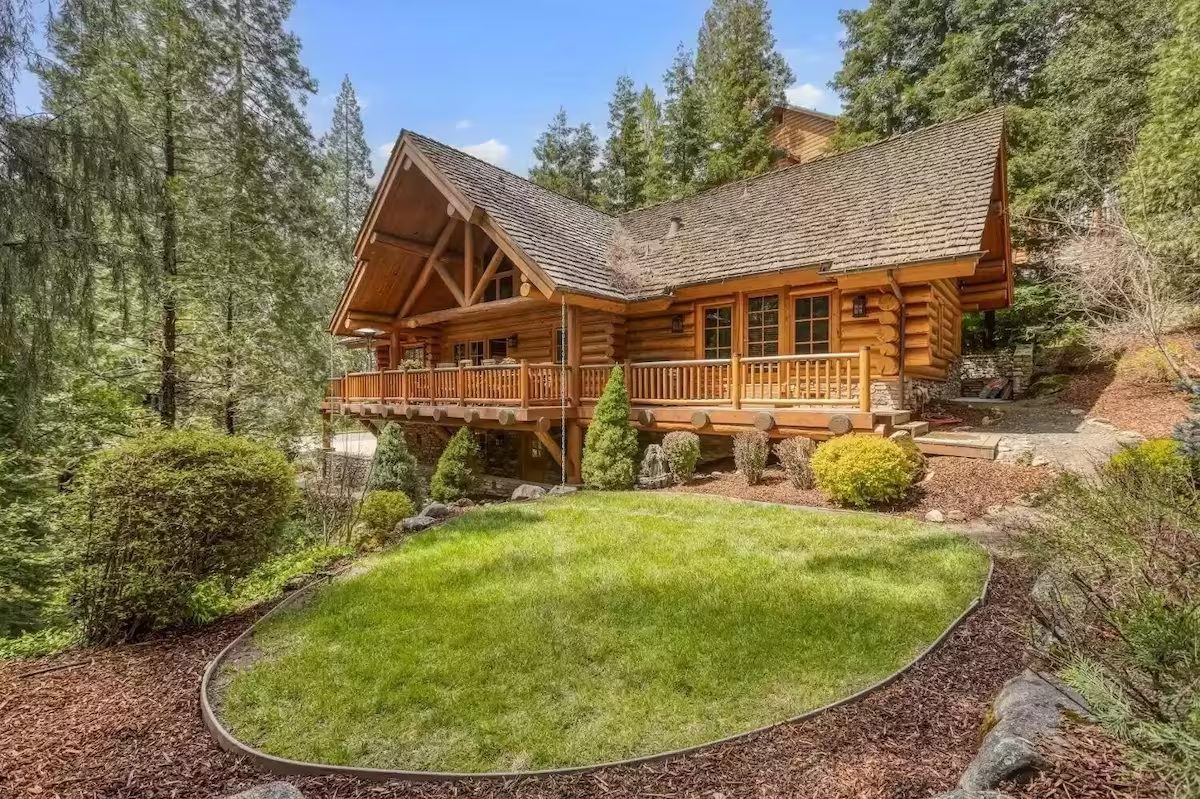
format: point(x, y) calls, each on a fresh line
point(860, 306)
point(369, 333)
point(677, 323)
point(512, 341)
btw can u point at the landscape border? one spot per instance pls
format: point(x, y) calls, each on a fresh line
point(283, 766)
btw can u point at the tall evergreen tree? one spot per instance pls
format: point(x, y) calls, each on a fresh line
point(346, 173)
point(658, 187)
point(626, 156)
point(741, 77)
point(564, 159)
point(683, 126)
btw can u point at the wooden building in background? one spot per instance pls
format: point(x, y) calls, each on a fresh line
point(812, 300)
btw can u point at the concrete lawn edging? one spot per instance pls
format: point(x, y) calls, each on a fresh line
point(283, 766)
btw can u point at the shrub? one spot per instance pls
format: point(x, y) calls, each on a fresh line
point(158, 514)
point(862, 470)
point(395, 466)
point(795, 455)
point(1150, 365)
point(611, 444)
point(381, 511)
point(457, 473)
point(1119, 599)
point(683, 452)
point(911, 451)
point(750, 454)
point(1163, 456)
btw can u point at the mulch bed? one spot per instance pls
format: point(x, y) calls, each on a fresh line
point(1087, 763)
point(125, 722)
point(1150, 409)
point(969, 485)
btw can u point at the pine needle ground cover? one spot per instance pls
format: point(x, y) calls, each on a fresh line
point(594, 627)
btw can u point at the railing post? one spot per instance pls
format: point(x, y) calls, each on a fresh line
point(864, 379)
point(735, 380)
point(404, 385)
point(432, 387)
point(462, 384)
point(523, 383)
point(627, 373)
point(382, 393)
point(345, 387)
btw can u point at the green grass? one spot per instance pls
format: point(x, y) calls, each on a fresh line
point(595, 627)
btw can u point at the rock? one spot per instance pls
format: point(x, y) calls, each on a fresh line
point(558, 491)
point(1130, 438)
point(956, 516)
point(435, 510)
point(959, 793)
point(1028, 709)
point(988, 421)
point(1098, 420)
point(1078, 411)
point(462, 502)
point(655, 473)
point(935, 516)
point(1038, 460)
point(900, 435)
point(715, 475)
point(415, 524)
point(527, 492)
point(271, 790)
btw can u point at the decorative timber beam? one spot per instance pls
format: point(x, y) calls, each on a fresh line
point(433, 317)
point(430, 262)
point(550, 445)
point(411, 246)
point(488, 274)
point(468, 286)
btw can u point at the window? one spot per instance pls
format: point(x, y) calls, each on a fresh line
point(812, 325)
point(469, 351)
point(499, 287)
point(762, 326)
point(560, 345)
point(718, 331)
point(413, 355)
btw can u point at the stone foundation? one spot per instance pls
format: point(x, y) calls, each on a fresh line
point(975, 371)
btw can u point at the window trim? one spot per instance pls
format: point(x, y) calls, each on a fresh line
point(831, 339)
point(780, 298)
point(701, 312)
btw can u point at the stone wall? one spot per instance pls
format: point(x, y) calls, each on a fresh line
point(974, 371)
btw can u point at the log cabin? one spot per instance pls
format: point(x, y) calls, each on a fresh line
point(822, 297)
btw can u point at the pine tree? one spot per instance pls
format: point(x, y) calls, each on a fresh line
point(623, 175)
point(1162, 187)
point(395, 466)
point(610, 448)
point(683, 126)
point(346, 173)
point(564, 159)
point(457, 472)
point(742, 78)
point(657, 186)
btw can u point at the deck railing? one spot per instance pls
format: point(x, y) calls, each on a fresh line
point(837, 378)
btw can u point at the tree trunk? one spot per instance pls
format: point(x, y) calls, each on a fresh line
point(170, 263)
point(230, 401)
point(989, 329)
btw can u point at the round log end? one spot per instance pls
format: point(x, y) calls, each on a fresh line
point(699, 418)
point(411, 412)
point(764, 421)
point(470, 416)
point(507, 417)
point(646, 417)
point(888, 302)
point(542, 424)
point(438, 414)
point(839, 424)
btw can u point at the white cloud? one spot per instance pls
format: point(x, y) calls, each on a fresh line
point(385, 149)
point(463, 124)
point(493, 151)
point(808, 95)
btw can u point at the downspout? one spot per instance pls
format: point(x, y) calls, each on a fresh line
point(902, 323)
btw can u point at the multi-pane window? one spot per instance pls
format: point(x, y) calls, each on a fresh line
point(762, 326)
point(560, 345)
point(413, 355)
point(718, 331)
point(469, 351)
point(499, 288)
point(812, 325)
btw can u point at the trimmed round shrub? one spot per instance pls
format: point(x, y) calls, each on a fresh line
point(155, 516)
point(795, 456)
point(860, 471)
point(683, 453)
point(395, 467)
point(457, 473)
point(611, 446)
point(381, 511)
point(1157, 456)
point(919, 462)
point(750, 450)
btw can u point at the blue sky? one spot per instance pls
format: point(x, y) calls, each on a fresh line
point(487, 77)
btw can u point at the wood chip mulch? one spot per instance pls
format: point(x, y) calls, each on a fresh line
point(125, 722)
point(969, 485)
point(1087, 763)
point(1150, 409)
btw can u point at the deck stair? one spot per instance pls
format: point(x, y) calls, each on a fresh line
point(917, 429)
point(961, 445)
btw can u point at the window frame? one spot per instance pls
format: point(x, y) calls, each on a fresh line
point(702, 328)
point(749, 325)
point(829, 339)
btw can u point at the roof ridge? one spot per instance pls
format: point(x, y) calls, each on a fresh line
point(824, 159)
point(490, 165)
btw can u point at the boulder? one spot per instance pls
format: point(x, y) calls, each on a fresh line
point(1130, 438)
point(935, 516)
point(526, 492)
point(415, 524)
point(271, 790)
point(435, 510)
point(955, 516)
point(1028, 709)
point(462, 502)
point(655, 472)
point(558, 491)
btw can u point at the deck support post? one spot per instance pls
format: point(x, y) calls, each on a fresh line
point(864, 379)
point(735, 381)
point(574, 453)
point(574, 355)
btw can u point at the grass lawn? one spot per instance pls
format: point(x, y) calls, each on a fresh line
point(595, 627)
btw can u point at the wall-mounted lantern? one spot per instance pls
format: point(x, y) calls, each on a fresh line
point(677, 323)
point(512, 341)
point(860, 306)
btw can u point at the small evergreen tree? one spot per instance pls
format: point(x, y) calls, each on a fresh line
point(623, 176)
point(657, 186)
point(565, 160)
point(457, 473)
point(346, 174)
point(611, 444)
point(395, 466)
point(683, 126)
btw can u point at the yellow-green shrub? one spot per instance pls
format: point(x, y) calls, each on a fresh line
point(1149, 364)
point(381, 511)
point(1158, 455)
point(861, 470)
